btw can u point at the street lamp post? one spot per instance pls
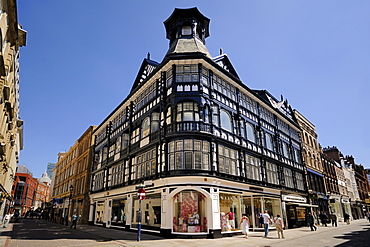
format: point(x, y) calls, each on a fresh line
point(69, 202)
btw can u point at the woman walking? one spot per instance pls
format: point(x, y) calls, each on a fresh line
point(279, 226)
point(244, 222)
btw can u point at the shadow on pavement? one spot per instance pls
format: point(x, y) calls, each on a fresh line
point(38, 229)
point(356, 238)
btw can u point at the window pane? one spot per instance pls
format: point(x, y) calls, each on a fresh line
point(268, 141)
point(250, 133)
point(197, 145)
point(188, 160)
point(179, 146)
point(178, 160)
point(188, 144)
point(188, 116)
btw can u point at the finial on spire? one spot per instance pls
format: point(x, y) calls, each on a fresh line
point(221, 51)
point(148, 56)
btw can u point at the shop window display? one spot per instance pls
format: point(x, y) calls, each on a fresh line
point(100, 212)
point(229, 212)
point(248, 210)
point(189, 212)
point(150, 212)
point(118, 216)
point(272, 205)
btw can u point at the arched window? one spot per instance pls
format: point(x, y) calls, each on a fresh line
point(187, 111)
point(145, 127)
point(250, 132)
point(225, 120)
point(269, 144)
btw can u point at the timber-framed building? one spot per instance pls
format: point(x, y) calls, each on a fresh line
point(210, 147)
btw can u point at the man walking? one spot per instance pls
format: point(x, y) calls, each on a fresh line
point(346, 218)
point(74, 220)
point(311, 221)
point(266, 222)
point(333, 218)
point(323, 217)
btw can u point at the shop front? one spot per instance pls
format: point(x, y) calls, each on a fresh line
point(184, 211)
point(335, 207)
point(99, 213)
point(150, 212)
point(189, 212)
point(118, 215)
point(253, 206)
point(296, 209)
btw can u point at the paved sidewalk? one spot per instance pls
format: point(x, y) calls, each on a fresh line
point(35, 232)
point(4, 232)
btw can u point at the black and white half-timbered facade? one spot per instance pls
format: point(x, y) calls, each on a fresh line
point(211, 148)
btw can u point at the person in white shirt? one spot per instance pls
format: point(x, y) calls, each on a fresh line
point(6, 220)
point(279, 226)
point(266, 222)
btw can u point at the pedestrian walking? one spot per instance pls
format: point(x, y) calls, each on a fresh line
point(260, 220)
point(311, 221)
point(323, 218)
point(346, 218)
point(74, 220)
point(279, 226)
point(266, 222)
point(7, 220)
point(244, 222)
point(368, 215)
point(333, 218)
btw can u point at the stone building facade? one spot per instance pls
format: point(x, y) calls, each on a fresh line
point(71, 180)
point(311, 153)
point(12, 37)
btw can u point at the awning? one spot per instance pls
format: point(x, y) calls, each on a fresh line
point(314, 172)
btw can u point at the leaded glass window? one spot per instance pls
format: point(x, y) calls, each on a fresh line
point(253, 167)
point(187, 111)
point(189, 154)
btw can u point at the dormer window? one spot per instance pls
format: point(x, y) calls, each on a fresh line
point(186, 30)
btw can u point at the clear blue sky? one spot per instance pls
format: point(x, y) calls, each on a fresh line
point(82, 57)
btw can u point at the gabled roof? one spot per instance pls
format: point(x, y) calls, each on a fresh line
point(224, 61)
point(282, 105)
point(145, 70)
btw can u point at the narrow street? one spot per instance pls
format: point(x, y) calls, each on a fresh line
point(40, 233)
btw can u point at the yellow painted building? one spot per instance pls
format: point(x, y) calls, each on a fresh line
point(71, 179)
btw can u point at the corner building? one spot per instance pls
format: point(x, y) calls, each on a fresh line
point(210, 147)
